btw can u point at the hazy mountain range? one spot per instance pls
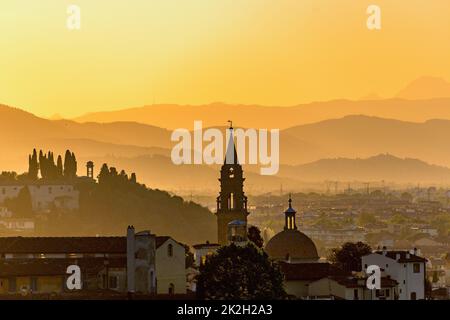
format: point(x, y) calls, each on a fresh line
point(423, 99)
point(312, 152)
point(425, 88)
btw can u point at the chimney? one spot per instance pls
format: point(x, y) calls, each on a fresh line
point(415, 251)
point(408, 255)
point(131, 260)
point(397, 256)
point(384, 250)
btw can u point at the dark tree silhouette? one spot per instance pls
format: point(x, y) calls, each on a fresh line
point(189, 257)
point(70, 165)
point(240, 273)
point(254, 235)
point(115, 202)
point(59, 167)
point(33, 166)
point(21, 206)
point(348, 257)
point(104, 174)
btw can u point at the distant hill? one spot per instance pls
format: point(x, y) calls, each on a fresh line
point(22, 131)
point(426, 88)
point(254, 116)
point(362, 136)
point(381, 167)
point(146, 149)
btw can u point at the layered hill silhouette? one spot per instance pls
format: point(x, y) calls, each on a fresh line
point(381, 167)
point(254, 116)
point(426, 88)
point(362, 136)
point(146, 149)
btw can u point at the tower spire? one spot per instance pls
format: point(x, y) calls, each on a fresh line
point(230, 153)
point(232, 201)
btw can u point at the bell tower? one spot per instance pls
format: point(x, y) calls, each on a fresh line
point(231, 202)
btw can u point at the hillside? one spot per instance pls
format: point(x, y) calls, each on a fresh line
point(254, 116)
point(145, 149)
point(381, 167)
point(362, 136)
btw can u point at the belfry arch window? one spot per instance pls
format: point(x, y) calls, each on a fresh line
point(231, 201)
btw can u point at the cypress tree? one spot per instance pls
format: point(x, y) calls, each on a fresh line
point(133, 178)
point(74, 165)
point(59, 167)
point(67, 164)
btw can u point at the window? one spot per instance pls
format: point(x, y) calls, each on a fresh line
point(388, 293)
point(203, 260)
point(355, 294)
point(171, 288)
point(12, 285)
point(170, 250)
point(387, 266)
point(413, 296)
point(113, 282)
point(50, 190)
point(231, 201)
point(33, 284)
point(416, 268)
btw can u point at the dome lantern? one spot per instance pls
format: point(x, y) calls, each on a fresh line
point(289, 217)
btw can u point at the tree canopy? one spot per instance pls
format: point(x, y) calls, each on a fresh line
point(21, 206)
point(240, 273)
point(49, 170)
point(254, 235)
point(348, 256)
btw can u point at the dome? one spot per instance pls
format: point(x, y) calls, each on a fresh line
point(293, 244)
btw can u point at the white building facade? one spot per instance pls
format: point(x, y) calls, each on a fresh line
point(45, 196)
point(407, 268)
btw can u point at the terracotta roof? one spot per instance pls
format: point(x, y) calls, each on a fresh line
point(403, 256)
point(307, 271)
point(23, 245)
point(160, 240)
point(205, 245)
point(55, 267)
point(352, 282)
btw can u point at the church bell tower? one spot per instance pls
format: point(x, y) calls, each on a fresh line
point(231, 202)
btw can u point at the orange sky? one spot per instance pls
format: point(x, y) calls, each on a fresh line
point(271, 52)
